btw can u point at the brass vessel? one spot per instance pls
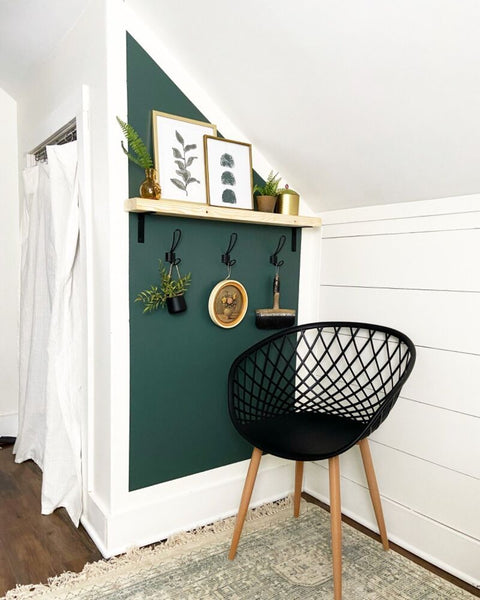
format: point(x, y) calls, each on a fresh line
point(287, 204)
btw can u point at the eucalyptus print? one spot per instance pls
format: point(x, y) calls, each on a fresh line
point(182, 162)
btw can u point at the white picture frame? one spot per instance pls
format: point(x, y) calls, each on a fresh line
point(228, 168)
point(179, 156)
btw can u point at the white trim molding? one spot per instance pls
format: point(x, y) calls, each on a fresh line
point(162, 510)
point(445, 547)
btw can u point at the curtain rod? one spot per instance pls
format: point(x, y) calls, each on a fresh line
point(67, 133)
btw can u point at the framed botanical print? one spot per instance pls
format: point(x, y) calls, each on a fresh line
point(179, 156)
point(228, 168)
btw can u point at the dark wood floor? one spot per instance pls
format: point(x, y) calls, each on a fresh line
point(34, 547)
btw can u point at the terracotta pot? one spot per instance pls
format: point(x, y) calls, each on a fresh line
point(176, 305)
point(266, 203)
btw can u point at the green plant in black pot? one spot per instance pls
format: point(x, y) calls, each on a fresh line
point(171, 291)
point(137, 152)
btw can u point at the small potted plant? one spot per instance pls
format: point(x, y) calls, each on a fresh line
point(137, 152)
point(171, 292)
point(288, 200)
point(267, 194)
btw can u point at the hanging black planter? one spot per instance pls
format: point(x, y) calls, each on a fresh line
point(176, 304)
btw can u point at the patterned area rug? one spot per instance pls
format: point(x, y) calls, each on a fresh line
point(279, 557)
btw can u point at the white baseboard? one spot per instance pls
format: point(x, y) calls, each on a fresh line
point(9, 425)
point(442, 546)
point(203, 499)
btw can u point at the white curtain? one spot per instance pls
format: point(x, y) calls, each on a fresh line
point(52, 335)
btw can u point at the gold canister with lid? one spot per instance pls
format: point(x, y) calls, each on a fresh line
point(287, 202)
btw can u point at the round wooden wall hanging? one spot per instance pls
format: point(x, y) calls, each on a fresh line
point(228, 303)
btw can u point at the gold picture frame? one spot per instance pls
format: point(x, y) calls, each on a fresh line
point(228, 303)
point(228, 172)
point(179, 156)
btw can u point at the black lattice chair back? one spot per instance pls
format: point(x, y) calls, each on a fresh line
point(313, 391)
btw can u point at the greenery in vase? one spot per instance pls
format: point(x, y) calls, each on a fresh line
point(155, 298)
point(137, 151)
point(270, 188)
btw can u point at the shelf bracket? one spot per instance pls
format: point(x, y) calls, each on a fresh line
point(294, 239)
point(141, 228)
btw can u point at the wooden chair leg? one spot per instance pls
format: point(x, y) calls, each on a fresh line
point(373, 487)
point(245, 501)
point(298, 487)
point(336, 524)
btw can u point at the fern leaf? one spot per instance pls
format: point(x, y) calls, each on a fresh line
point(137, 151)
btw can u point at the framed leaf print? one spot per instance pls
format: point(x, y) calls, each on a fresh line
point(179, 156)
point(228, 167)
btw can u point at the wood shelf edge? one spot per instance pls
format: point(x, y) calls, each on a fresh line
point(204, 211)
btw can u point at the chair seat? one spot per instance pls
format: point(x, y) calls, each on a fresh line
point(303, 435)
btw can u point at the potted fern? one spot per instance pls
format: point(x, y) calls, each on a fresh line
point(137, 152)
point(266, 194)
point(170, 294)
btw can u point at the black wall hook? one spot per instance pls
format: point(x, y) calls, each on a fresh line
point(226, 257)
point(274, 257)
point(170, 255)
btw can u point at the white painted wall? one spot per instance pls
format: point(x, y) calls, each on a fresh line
point(9, 266)
point(415, 267)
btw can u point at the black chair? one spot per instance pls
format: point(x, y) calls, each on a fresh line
point(311, 392)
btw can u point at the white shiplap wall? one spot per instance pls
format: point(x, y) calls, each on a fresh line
point(415, 267)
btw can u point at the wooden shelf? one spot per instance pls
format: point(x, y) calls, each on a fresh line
point(191, 210)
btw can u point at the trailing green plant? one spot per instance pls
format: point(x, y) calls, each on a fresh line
point(137, 151)
point(170, 287)
point(183, 163)
point(270, 187)
point(286, 190)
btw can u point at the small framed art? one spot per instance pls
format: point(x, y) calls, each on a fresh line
point(228, 168)
point(179, 156)
point(228, 303)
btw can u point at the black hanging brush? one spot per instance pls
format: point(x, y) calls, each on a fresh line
point(276, 317)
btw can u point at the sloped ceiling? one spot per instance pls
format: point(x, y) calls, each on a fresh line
point(29, 32)
point(355, 102)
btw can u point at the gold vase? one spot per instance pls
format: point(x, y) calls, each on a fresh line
point(150, 187)
point(288, 204)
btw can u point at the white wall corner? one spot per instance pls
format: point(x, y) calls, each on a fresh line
point(9, 425)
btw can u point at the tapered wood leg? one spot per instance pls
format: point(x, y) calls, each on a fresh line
point(298, 487)
point(373, 487)
point(336, 525)
point(245, 501)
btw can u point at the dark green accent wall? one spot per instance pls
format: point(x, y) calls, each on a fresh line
point(179, 423)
